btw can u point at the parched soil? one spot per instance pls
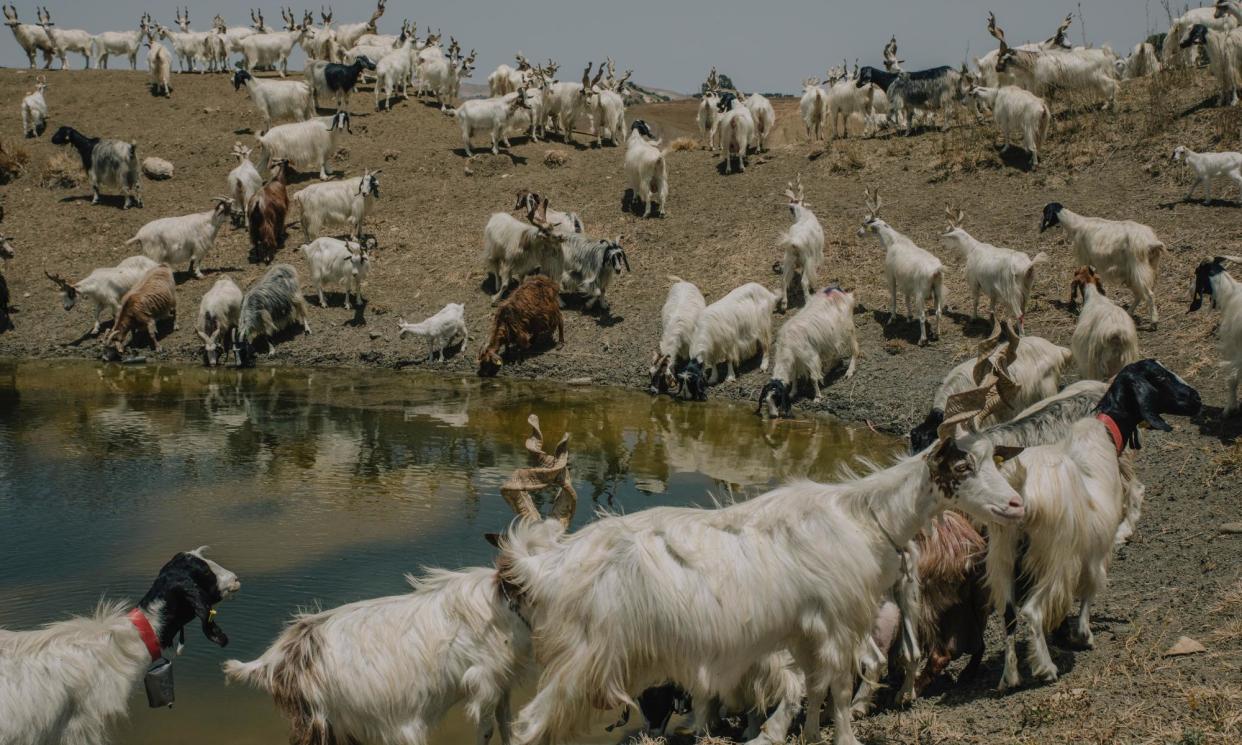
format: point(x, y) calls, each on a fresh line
point(1179, 576)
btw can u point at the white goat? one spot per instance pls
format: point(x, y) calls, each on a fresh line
point(443, 76)
point(187, 45)
point(512, 248)
point(1015, 109)
point(814, 109)
point(218, 313)
point(764, 117)
point(803, 244)
point(607, 108)
point(349, 34)
point(270, 50)
point(1078, 505)
point(1005, 276)
point(1208, 166)
point(305, 145)
point(809, 346)
point(104, 287)
point(565, 102)
point(1105, 339)
point(29, 36)
point(800, 568)
point(443, 330)
point(69, 681)
point(737, 131)
point(505, 79)
point(454, 638)
point(1065, 70)
point(1122, 251)
point(277, 99)
point(338, 262)
point(120, 43)
point(159, 66)
point(678, 318)
point(730, 331)
point(914, 272)
point(491, 115)
point(1175, 54)
point(1224, 51)
point(34, 110)
point(392, 73)
point(244, 182)
point(708, 119)
point(68, 40)
point(563, 223)
point(1212, 279)
point(846, 98)
point(1143, 62)
point(171, 240)
point(646, 171)
point(338, 204)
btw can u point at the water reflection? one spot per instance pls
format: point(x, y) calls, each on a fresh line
point(323, 487)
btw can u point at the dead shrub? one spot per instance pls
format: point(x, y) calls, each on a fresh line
point(13, 160)
point(555, 158)
point(846, 159)
point(62, 171)
point(683, 144)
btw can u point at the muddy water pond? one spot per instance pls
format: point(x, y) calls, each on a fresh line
point(321, 487)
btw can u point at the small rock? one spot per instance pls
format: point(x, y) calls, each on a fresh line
point(390, 155)
point(1185, 646)
point(469, 171)
point(211, 110)
point(157, 169)
point(376, 335)
point(1231, 528)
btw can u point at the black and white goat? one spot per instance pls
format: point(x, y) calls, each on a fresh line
point(67, 682)
point(329, 79)
point(1212, 279)
point(679, 316)
point(809, 346)
point(109, 164)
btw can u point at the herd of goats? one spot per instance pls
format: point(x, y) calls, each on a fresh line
point(1014, 497)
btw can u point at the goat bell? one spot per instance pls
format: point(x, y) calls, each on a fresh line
point(159, 684)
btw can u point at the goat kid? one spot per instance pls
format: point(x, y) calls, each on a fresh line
point(443, 330)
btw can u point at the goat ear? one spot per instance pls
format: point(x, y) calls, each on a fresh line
point(493, 538)
point(1143, 396)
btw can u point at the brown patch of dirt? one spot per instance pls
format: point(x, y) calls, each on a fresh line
point(1178, 577)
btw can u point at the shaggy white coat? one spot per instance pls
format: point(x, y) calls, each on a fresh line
point(106, 286)
point(737, 131)
point(338, 204)
point(306, 145)
point(646, 173)
point(817, 339)
point(1122, 251)
point(734, 328)
point(1003, 275)
point(338, 262)
point(803, 244)
point(1018, 110)
point(172, 240)
point(281, 100)
point(1105, 339)
point(441, 331)
point(912, 271)
point(512, 249)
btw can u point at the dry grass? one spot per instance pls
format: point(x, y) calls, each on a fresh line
point(964, 149)
point(62, 171)
point(13, 160)
point(555, 158)
point(846, 158)
point(683, 144)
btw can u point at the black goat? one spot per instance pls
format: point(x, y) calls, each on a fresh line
point(111, 164)
point(884, 79)
point(340, 80)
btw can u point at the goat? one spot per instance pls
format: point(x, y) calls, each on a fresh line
point(803, 245)
point(1212, 18)
point(1036, 366)
point(392, 73)
point(443, 330)
point(1224, 49)
point(1105, 339)
point(343, 262)
point(104, 287)
point(678, 317)
point(1016, 109)
point(1004, 275)
point(232, 35)
point(159, 65)
point(1208, 166)
point(565, 102)
point(708, 119)
point(152, 299)
point(272, 303)
point(736, 127)
point(171, 240)
point(336, 80)
point(814, 109)
point(340, 203)
point(304, 144)
point(244, 183)
point(846, 98)
point(1144, 61)
point(443, 77)
point(987, 63)
point(455, 637)
point(646, 172)
point(512, 249)
point(218, 313)
point(590, 266)
point(69, 681)
point(277, 99)
point(1075, 70)
point(505, 79)
point(908, 268)
point(809, 346)
point(563, 223)
point(932, 93)
point(31, 37)
point(530, 316)
point(119, 43)
point(1076, 503)
point(812, 559)
point(270, 49)
point(730, 331)
point(110, 164)
point(1122, 251)
point(187, 45)
point(491, 115)
point(764, 117)
point(64, 41)
point(1212, 279)
point(266, 214)
point(348, 34)
point(607, 106)
point(34, 110)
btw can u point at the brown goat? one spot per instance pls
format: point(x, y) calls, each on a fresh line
point(954, 607)
point(267, 211)
point(153, 299)
point(528, 316)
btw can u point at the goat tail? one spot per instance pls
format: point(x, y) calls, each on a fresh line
point(1045, 124)
point(133, 240)
point(675, 279)
point(256, 673)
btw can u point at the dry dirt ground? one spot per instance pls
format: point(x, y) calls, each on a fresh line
point(1181, 574)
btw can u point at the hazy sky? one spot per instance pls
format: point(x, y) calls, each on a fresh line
point(762, 45)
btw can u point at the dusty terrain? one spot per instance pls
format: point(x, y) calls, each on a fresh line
point(1180, 576)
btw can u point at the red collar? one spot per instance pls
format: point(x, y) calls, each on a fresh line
point(1114, 431)
point(140, 622)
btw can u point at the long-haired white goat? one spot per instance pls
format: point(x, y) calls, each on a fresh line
point(277, 99)
point(1015, 109)
point(1122, 251)
point(1005, 276)
point(646, 172)
point(814, 109)
point(764, 116)
point(730, 331)
point(909, 269)
point(442, 330)
point(809, 346)
point(803, 245)
point(1069, 71)
point(244, 182)
point(34, 109)
point(306, 145)
point(708, 117)
point(104, 287)
point(1105, 339)
point(678, 317)
point(512, 248)
point(737, 131)
point(159, 67)
point(1212, 279)
point(338, 204)
point(171, 240)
